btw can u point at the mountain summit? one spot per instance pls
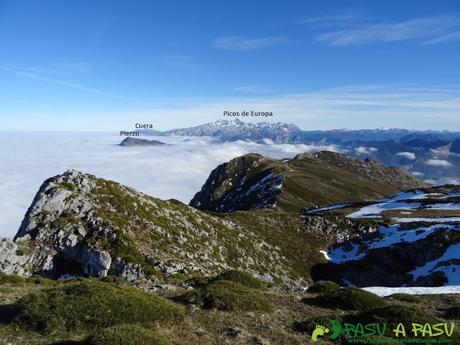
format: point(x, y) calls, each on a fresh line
point(233, 130)
point(310, 179)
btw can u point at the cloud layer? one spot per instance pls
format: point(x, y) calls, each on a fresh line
point(176, 171)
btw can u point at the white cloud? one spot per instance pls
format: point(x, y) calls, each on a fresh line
point(420, 28)
point(176, 171)
point(247, 43)
point(450, 37)
point(334, 20)
point(366, 150)
point(408, 155)
point(356, 106)
point(439, 163)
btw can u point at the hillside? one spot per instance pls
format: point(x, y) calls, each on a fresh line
point(253, 181)
point(83, 225)
point(415, 242)
point(130, 268)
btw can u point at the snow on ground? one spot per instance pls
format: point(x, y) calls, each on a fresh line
point(451, 271)
point(407, 203)
point(444, 206)
point(374, 210)
point(389, 235)
point(451, 195)
point(328, 208)
point(341, 254)
point(325, 254)
point(386, 291)
point(427, 220)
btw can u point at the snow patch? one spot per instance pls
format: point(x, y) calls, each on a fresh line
point(387, 291)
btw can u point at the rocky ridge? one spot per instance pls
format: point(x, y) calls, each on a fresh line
point(310, 179)
point(82, 225)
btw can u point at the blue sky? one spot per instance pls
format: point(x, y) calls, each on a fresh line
point(105, 65)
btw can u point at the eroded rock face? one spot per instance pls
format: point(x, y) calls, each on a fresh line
point(230, 187)
point(11, 262)
point(55, 225)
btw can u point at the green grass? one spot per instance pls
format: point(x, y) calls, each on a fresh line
point(11, 279)
point(323, 286)
point(307, 326)
point(347, 299)
point(228, 296)
point(395, 313)
point(243, 278)
point(90, 304)
point(127, 335)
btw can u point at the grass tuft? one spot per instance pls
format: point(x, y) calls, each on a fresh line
point(89, 304)
point(127, 335)
point(347, 299)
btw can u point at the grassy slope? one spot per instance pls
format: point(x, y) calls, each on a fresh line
point(203, 326)
point(313, 183)
point(286, 230)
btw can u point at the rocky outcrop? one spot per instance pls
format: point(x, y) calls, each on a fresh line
point(78, 224)
point(130, 141)
point(12, 259)
point(310, 179)
point(391, 266)
point(250, 181)
point(414, 241)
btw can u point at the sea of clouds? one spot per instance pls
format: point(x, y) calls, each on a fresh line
point(177, 171)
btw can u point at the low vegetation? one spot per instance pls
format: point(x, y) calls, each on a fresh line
point(90, 304)
point(243, 278)
point(230, 291)
point(127, 335)
point(346, 299)
point(323, 286)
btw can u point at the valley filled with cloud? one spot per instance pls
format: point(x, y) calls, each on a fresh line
point(177, 171)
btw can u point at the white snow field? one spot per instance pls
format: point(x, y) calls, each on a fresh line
point(387, 291)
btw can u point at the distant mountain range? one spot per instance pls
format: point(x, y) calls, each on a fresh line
point(432, 155)
point(283, 133)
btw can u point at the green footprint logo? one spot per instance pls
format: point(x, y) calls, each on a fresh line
point(318, 332)
point(336, 328)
